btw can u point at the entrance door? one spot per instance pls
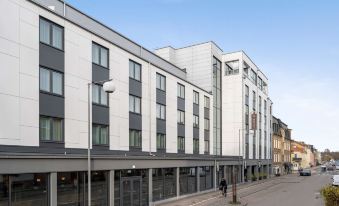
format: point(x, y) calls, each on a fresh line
point(130, 191)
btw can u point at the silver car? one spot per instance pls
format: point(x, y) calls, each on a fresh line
point(335, 179)
point(305, 172)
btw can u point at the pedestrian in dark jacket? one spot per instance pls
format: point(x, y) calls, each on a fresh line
point(223, 187)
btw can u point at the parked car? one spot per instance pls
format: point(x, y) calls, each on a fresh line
point(305, 172)
point(335, 179)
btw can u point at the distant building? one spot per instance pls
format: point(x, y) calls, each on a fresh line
point(281, 147)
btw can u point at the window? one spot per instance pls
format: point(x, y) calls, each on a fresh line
point(100, 134)
point(161, 111)
point(181, 143)
point(51, 129)
point(181, 117)
point(134, 104)
point(260, 83)
point(247, 95)
point(51, 81)
point(207, 124)
point(195, 97)
point(207, 146)
point(260, 103)
point(181, 91)
point(135, 138)
point(232, 67)
point(196, 121)
point(254, 100)
point(51, 34)
point(161, 82)
point(134, 70)
point(206, 102)
point(161, 141)
point(99, 55)
point(99, 96)
point(195, 145)
point(254, 77)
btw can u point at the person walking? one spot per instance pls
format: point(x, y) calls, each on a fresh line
point(223, 187)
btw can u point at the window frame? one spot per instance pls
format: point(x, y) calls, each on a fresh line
point(52, 138)
point(181, 91)
point(181, 142)
point(134, 97)
point(160, 107)
point(50, 76)
point(207, 102)
point(195, 124)
point(51, 24)
point(195, 97)
point(208, 123)
point(139, 136)
point(101, 126)
point(161, 79)
point(196, 145)
point(180, 116)
point(159, 145)
point(208, 146)
point(100, 87)
point(99, 55)
point(134, 69)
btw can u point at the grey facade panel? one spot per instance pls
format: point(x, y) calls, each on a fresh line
point(206, 113)
point(51, 57)
point(135, 87)
point(135, 121)
point(195, 133)
point(181, 104)
point(161, 97)
point(161, 126)
point(196, 109)
point(181, 130)
point(51, 105)
point(100, 114)
point(206, 134)
point(99, 73)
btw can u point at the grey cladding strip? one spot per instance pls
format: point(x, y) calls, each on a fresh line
point(181, 104)
point(161, 97)
point(51, 105)
point(181, 130)
point(100, 114)
point(196, 109)
point(206, 113)
point(135, 87)
point(206, 134)
point(161, 126)
point(99, 73)
point(195, 133)
point(51, 57)
point(135, 121)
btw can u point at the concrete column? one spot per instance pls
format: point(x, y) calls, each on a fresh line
point(150, 187)
point(177, 182)
point(111, 187)
point(249, 173)
point(256, 173)
point(198, 179)
point(53, 188)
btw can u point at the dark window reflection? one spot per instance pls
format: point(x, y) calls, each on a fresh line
point(187, 180)
point(4, 190)
point(71, 188)
point(164, 183)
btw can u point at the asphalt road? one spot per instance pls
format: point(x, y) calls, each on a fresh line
point(289, 190)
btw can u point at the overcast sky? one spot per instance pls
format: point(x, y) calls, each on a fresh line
point(295, 43)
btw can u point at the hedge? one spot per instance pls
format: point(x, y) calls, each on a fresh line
point(331, 195)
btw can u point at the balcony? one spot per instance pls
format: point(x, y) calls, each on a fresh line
point(297, 159)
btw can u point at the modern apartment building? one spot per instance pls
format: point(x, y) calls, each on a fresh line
point(151, 140)
point(242, 108)
point(281, 147)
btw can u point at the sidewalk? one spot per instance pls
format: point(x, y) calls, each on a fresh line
point(198, 199)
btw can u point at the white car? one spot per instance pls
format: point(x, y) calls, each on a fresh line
point(335, 179)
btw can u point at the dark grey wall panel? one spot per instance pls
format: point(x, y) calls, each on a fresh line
point(135, 87)
point(51, 105)
point(135, 121)
point(100, 114)
point(161, 97)
point(181, 104)
point(51, 57)
point(195, 133)
point(181, 130)
point(99, 73)
point(206, 134)
point(207, 113)
point(161, 126)
point(196, 109)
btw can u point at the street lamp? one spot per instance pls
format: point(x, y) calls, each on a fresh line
point(108, 87)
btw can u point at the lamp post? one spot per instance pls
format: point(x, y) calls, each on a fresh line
point(108, 87)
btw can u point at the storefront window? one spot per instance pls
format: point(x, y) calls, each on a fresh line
point(187, 180)
point(164, 183)
point(71, 188)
